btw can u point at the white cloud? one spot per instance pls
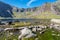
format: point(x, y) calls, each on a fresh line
point(28, 4)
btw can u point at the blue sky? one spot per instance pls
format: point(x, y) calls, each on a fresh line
point(26, 3)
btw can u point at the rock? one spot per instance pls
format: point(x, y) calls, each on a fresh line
point(58, 35)
point(53, 34)
point(36, 38)
point(34, 29)
point(27, 33)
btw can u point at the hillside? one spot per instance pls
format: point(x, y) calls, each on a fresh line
point(5, 10)
point(47, 10)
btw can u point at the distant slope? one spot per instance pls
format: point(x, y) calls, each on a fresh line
point(46, 11)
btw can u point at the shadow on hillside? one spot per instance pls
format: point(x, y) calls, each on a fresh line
point(5, 10)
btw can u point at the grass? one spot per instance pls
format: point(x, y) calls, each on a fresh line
point(20, 24)
point(46, 15)
point(45, 36)
point(43, 15)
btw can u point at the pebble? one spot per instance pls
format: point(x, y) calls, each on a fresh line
point(36, 38)
point(53, 34)
point(58, 35)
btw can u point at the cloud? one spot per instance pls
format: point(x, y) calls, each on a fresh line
point(28, 4)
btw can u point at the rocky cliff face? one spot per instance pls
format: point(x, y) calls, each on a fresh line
point(56, 7)
point(15, 9)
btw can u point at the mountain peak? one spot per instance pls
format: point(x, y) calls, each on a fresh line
point(5, 10)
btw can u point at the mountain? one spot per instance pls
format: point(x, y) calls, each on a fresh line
point(5, 10)
point(15, 9)
point(47, 10)
point(44, 11)
point(56, 6)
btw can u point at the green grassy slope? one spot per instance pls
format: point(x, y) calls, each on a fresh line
point(43, 15)
point(45, 36)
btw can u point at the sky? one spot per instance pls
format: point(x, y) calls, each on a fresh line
point(26, 3)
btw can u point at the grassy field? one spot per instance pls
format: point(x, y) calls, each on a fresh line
point(45, 36)
point(43, 15)
point(46, 15)
point(45, 22)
